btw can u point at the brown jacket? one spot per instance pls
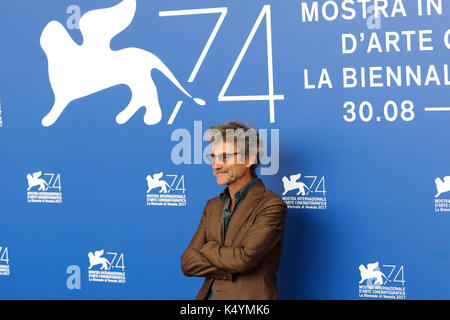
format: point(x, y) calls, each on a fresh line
point(245, 266)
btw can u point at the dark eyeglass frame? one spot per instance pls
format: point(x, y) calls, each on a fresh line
point(222, 157)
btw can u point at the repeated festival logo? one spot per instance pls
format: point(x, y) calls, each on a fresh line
point(44, 187)
point(442, 196)
point(382, 282)
point(304, 193)
point(166, 192)
point(108, 267)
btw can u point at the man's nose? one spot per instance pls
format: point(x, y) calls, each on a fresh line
point(216, 164)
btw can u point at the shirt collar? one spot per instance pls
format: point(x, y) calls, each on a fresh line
point(241, 193)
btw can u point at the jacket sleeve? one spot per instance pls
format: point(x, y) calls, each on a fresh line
point(195, 264)
point(260, 239)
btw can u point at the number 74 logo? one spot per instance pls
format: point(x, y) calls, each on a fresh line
point(4, 255)
point(270, 96)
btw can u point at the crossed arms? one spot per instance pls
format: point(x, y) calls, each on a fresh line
point(210, 259)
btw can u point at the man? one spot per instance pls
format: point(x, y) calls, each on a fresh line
point(238, 243)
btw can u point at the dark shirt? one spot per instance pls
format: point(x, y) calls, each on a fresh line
point(227, 214)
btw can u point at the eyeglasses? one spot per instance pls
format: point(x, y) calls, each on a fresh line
point(221, 158)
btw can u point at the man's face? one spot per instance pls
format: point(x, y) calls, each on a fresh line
point(228, 166)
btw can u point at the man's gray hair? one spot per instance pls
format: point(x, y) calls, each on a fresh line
point(244, 136)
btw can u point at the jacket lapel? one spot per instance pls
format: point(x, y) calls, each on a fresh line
point(243, 211)
point(215, 220)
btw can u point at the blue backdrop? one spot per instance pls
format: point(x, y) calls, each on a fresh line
point(369, 213)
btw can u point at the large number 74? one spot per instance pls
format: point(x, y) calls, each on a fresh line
point(265, 13)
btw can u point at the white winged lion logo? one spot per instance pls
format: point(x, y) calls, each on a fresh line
point(371, 272)
point(154, 182)
point(96, 259)
point(36, 180)
point(442, 186)
point(76, 71)
point(292, 184)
